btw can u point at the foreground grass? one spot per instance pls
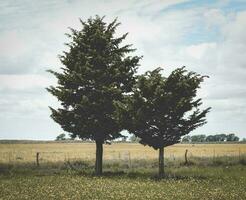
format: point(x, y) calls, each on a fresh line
point(181, 182)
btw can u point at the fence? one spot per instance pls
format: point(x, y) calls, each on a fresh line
point(18, 156)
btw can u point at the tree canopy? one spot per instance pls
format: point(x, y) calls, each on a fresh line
point(98, 72)
point(62, 136)
point(162, 109)
point(211, 138)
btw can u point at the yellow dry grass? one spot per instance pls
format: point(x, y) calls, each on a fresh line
point(53, 152)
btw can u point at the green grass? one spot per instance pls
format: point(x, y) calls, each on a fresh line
point(75, 180)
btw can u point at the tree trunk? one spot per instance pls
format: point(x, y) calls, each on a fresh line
point(161, 162)
point(99, 157)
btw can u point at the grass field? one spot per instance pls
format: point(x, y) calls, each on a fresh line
point(216, 171)
point(181, 182)
point(54, 152)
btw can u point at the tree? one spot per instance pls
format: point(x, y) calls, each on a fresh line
point(220, 137)
point(161, 110)
point(62, 136)
point(186, 139)
point(198, 138)
point(98, 72)
point(210, 138)
point(133, 138)
point(232, 138)
point(123, 139)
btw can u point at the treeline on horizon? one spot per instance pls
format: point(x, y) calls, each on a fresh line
point(231, 137)
point(133, 139)
point(212, 138)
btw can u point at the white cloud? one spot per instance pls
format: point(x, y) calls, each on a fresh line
point(225, 63)
point(167, 38)
point(214, 18)
point(12, 45)
point(24, 82)
point(198, 51)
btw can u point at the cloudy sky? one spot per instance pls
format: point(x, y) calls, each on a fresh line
point(208, 37)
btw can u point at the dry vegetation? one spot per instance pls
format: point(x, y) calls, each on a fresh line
point(53, 152)
point(66, 172)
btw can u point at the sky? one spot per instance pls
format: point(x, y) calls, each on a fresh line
point(206, 36)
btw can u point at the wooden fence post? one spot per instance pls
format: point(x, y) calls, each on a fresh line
point(214, 155)
point(129, 158)
point(186, 159)
point(37, 159)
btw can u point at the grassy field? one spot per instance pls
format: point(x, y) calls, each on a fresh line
point(54, 152)
point(181, 182)
point(215, 171)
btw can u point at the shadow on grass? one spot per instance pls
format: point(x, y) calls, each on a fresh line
point(48, 170)
point(199, 169)
point(148, 175)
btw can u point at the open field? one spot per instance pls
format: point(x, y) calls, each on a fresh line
point(183, 182)
point(54, 152)
point(216, 171)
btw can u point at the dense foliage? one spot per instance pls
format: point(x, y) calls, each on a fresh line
point(162, 109)
point(97, 73)
point(99, 94)
point(211, 138)
point(62, 136)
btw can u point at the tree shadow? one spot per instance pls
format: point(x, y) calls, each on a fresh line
point(146, 175)
point(88, 171)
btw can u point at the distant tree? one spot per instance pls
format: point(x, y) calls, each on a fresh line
point(198, 138)
point(97, 73)
point(210, 138)
point(220, 137)
point(236, 139)
point(161, 110)
point(244, 140)
point(124, 139)
point(232, 138)
point(186, 139)
point(133, 138)
point(62, 136)
point(71, 137)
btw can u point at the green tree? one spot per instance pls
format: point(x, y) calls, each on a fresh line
point(133, 138)
point(220, 137)
point(210, 138)
point(232, 137)
point(98, 72)
point(161, 110)
point(198, 138)
point(62, 136)
point(186, 139)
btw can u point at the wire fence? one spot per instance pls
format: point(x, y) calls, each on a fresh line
point(42, 157)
